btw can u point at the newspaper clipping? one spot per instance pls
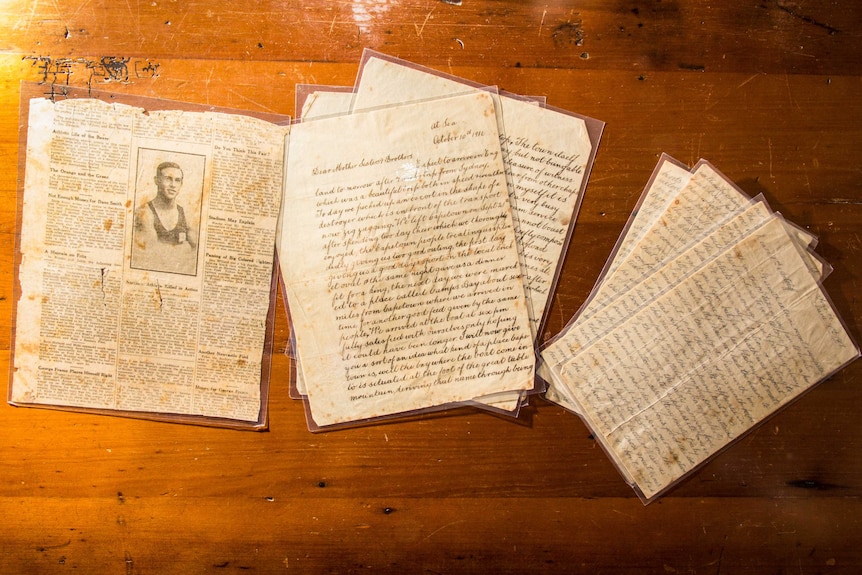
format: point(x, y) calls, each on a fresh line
point(146, 260)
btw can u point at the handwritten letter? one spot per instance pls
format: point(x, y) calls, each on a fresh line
point(546, 158)
point(403, 278)
point(546, 155)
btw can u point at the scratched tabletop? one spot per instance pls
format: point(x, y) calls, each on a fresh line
point(769, 91)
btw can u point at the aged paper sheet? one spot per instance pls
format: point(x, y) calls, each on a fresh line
point(321, 104)
point(546, 152)
point(404, 286)
point(708, 359)
point(147, 259)
point(507, 402)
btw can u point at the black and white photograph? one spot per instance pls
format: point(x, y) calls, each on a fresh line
point(168, 192)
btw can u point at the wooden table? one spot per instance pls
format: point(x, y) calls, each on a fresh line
point(769, 91)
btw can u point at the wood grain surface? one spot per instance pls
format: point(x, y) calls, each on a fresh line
point(770, 91)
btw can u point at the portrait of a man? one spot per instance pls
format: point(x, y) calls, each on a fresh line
point(165, 237)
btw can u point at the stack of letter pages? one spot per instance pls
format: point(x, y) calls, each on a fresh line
point(709, 317)
point(420, 222)
point(425, 222)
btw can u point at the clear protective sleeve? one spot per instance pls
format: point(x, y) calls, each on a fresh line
point(258, 423)
point(313, 100)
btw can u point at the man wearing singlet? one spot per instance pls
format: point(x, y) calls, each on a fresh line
point(164, 241)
